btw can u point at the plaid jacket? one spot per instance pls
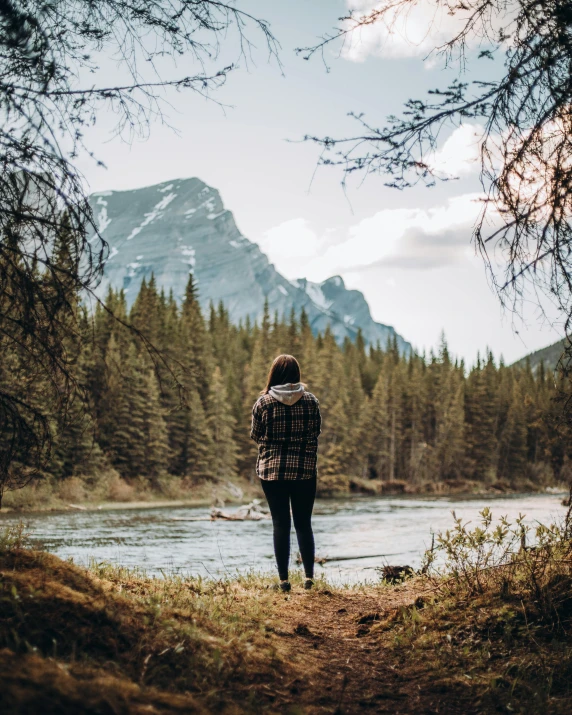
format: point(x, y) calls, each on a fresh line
point(287, 437)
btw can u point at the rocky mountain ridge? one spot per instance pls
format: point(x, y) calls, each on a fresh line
point(182, 226)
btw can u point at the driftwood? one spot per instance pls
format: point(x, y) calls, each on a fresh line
point(249, 512)
point(353, 558)
point(325, 559)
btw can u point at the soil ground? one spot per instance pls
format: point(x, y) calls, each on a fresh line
point(335, 647)
point(110, 641)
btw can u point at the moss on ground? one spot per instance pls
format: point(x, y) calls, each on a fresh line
point(112, 640)
point(114, 635)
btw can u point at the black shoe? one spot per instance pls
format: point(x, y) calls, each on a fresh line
point(283, 586)
point(308, 584)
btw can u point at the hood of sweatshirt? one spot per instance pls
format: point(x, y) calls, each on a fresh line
point(288, 394)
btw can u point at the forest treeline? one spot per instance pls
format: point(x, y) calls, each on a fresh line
point(166, 392)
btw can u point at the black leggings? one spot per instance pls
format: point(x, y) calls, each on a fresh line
point(301, 494)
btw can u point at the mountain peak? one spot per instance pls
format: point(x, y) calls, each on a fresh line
point(181, 226)
point(334, 281)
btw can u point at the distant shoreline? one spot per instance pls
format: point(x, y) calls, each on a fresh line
point(206, 503)
point(113, 506)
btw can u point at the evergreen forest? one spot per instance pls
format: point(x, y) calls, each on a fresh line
point(165, 393)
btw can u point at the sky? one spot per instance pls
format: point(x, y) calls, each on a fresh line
point(409, 252)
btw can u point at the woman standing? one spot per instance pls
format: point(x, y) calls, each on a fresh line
point(286, 423)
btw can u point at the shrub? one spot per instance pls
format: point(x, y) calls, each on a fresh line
point(72, 489)
point(14, 537)
point(118, 489)
point(510, 560)
point(33, 496)
point(333, 485)
point(171, 487)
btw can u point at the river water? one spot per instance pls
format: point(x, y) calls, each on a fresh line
point(166, 540)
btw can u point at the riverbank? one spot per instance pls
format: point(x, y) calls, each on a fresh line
point(109, 640)
point(112, 493)
point(355, 535)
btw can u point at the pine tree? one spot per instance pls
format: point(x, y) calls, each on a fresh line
point(415, 407)
point(394, 370)
point(147, 313)
point(196, 351)
point(221, 424)
point(482, 415)
point(293, 333)
point(375, 432)
point(513, 447)
point(75, 449)
point(353, 409)
point(262, 357)
point(255, 373)
point(385, 416)
point(121, 423)
point(154, 424)
point(449, 446)
point(198, 447)
point(307, 352)
point(447, 408)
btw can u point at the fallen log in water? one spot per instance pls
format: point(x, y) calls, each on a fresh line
point(327, 559)
point(353, 558)
point(249, 512)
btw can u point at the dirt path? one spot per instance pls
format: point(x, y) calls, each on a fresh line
point(333, 643)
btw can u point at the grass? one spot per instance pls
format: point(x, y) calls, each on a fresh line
point(487, 653)
point(174, 644)
point(489, 631)
point(497, 628)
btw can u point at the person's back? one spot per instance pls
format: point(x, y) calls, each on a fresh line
point(286, 424)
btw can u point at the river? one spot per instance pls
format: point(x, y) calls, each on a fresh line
point(167, 540)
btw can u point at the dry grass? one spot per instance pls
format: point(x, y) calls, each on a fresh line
point(117, 637)
point(113, 640)
point(496, 632)
point(483, 654)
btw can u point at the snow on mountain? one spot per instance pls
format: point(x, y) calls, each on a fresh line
point(181, 226)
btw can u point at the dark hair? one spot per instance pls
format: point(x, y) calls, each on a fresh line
point(285, 369)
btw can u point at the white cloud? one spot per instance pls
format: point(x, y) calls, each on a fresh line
point(288, 243)
point(417, 27)
point(460, 154)
point(406, 238)
point(411, 32)
point(418, 271)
